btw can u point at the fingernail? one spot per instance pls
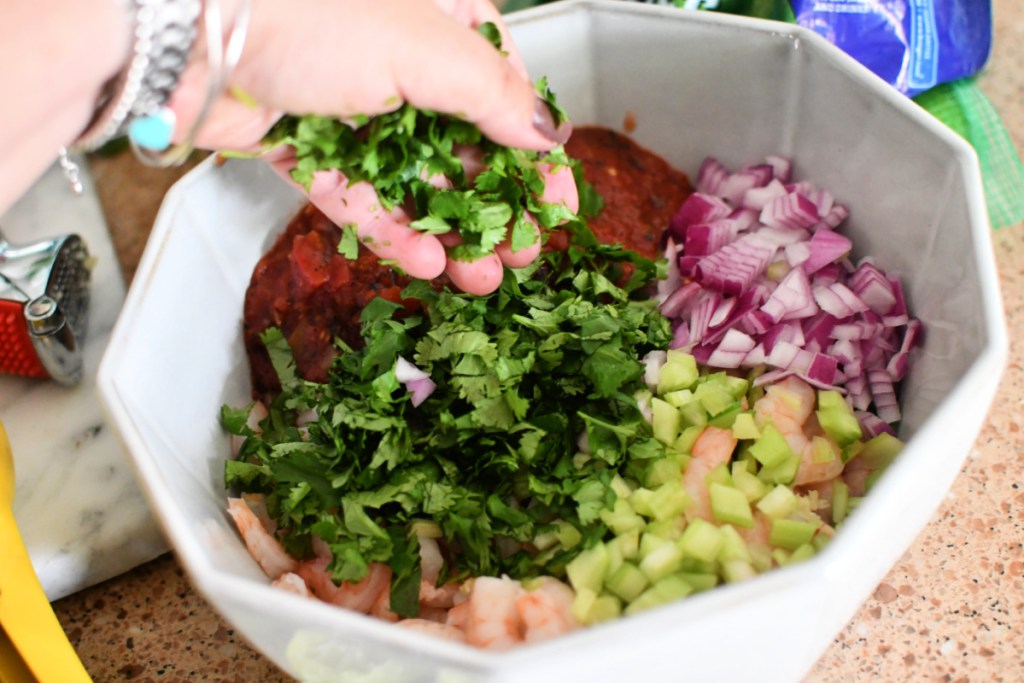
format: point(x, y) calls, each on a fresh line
point(544, 123)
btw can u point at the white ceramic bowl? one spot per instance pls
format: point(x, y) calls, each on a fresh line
point(696, 84)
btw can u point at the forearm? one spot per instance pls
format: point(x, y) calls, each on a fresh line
point(56, 56)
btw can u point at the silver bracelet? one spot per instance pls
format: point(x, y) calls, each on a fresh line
point(164, 31)
point(150, 134)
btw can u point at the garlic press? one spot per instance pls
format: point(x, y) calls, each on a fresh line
point(44, 307)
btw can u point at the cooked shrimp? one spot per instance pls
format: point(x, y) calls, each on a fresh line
point(493, 620)
point(292, 583)
point(787, 405)
point(264, 548)
point(813, 468)
point(382, 606)
point(360, 596)
point(458, 616)
point(434, 628)
point(856, 479)
point(431, 563)
point(546, 610)
point(713, 447)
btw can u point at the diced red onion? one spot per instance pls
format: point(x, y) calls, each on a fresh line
point(707, 238)
point(792, 210)
point(406, 372)
point(782, 167)
point(733, 268)
point(797, 253)
point(652, 362)
point(680, 336)
point(711, 175)
point(732, 350)
point(834, 218)
point(736, 186)
point(758, 197)
point(697, 208)
point(678, 302)
point(792, 299)
point(884, 395)
point(871, 425)
point(420, 389)
point(827, 246)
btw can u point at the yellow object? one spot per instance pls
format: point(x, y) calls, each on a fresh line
point(33, 646)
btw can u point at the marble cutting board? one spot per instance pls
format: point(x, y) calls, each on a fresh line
point(80, 512)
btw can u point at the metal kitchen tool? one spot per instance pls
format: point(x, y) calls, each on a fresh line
point(44, 307)
point(33, 646)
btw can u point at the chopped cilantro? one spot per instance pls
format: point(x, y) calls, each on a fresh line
point(492, 456)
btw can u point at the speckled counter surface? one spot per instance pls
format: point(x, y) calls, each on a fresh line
point(952, 609)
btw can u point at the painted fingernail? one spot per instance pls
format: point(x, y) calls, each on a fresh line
point(544, 123)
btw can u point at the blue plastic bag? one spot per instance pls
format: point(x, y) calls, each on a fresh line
point(912, 44)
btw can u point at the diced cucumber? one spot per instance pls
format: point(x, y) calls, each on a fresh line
point(850, 451)
point(879, 451)
point(546, 539)
point(701, 540)
point(588, 569)
point(621, 519)
point(668, 589)
point(746, 481)
point(699, 581)
point(728, 504)
point(734, 547)
point(771, 448)
point(666, 421)
point(693, 414)
point(662, 561)
point(782, 473)
point(744, 427)
point(621, 487)
point(640, 500)
point(605, 608)
point(719, 474)
point(671, 528)
point(779, 502)
point(837, 419)
point(724, 419)
point(568, 535)
point(649, 542)
point(678, 398)
point(714, 397)
point(661, 471)
point(735, 571)
point(625, 546)
point(669, 500)
point(678, 372)
point(627, 582)
point(582, 604)
point(790, 533)
point(803, 552)
point(840, 501)
point(684, 443)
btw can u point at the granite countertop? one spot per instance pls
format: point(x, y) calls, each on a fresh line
point(952, 609)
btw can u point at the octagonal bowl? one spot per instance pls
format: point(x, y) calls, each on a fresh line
point(694, 84)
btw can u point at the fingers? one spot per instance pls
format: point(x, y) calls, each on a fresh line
point(523, 257)
point(560, 187)
point(479, 277)
point(392, 51)
point(387, 234)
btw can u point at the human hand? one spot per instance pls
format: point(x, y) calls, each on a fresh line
point(434, 60)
